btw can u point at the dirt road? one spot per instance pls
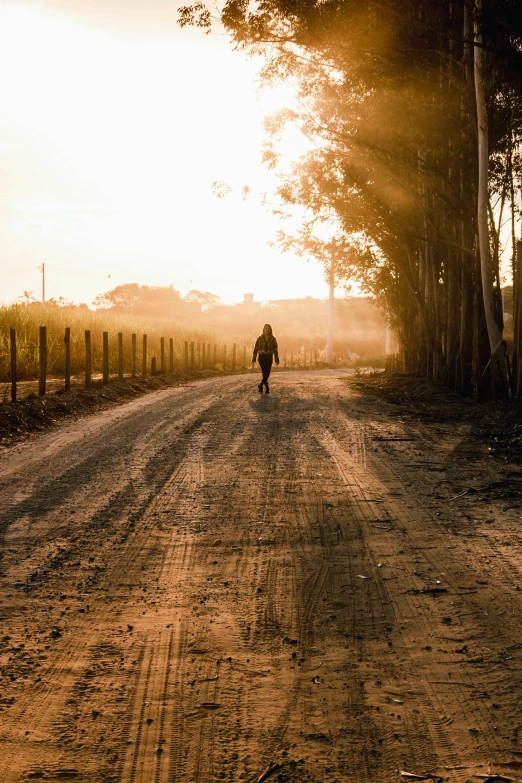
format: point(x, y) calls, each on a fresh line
point(206, 582)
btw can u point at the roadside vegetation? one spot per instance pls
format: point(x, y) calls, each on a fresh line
point(199, 318)
point(27, 320)
point(413, 111)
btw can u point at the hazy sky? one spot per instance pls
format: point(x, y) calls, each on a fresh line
point(113, 125)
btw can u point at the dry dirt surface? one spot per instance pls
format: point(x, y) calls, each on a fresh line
point(208, 584)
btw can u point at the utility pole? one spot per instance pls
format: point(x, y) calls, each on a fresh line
point(42, 269)
point(331, 307)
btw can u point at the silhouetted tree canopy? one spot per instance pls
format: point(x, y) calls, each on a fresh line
point(141, 298)
point(204, 298)
point(388, 95)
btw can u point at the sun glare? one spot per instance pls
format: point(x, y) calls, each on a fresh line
point(118, 143)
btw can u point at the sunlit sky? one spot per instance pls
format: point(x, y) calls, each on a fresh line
point(113, 125)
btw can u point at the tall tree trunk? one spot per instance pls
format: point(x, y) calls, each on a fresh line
point(515, 270)
point(331, 312)
point(452, 263)
point(453, 317)
point(424, 345)
point(430, 308)
point(496, 345)
point(423, 341)
point(437, 346)
point(481, 349)
point(468, 191)
point(466, 329)
point(517, 314)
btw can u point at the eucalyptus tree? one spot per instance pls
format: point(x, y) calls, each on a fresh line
point(397, 98)
point(336, 255)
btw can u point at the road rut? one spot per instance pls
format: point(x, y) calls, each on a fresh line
point(207, 583)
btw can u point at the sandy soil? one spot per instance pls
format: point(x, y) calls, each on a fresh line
point(32, 413)
point(207, 584)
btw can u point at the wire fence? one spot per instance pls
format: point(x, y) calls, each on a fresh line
point(82, 360)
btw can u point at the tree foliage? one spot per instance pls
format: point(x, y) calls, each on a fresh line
point(140, 298)
point(386, 93)
point(204, 298)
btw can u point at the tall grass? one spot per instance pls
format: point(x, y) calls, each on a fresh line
point(27, 320)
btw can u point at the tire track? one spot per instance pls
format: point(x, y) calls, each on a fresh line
point(57, 678)
point(255, 596)
point(437, 719)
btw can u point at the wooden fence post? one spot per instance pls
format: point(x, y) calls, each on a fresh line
point(244, 357)
point(88, 359)
point(153, 366)
point(133, 356)
point(198, 365)
point(215, 357)
point(224, 358)
point(144, 356)
point(291, 358)
point(171, 354)
point(209, 364)
point(120, 356)
point(186, 357)
point(42, 374)
point(162, 355)
point(105, 364)
point(192, 357)
point(67, 341)
point(12, 339)
point(203, 365)
point(233, 357)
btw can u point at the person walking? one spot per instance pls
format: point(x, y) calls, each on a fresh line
point(265, 350)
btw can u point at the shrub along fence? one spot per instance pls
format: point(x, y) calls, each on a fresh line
point(118, 359)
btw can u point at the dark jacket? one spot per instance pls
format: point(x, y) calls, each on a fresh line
point(266, 345)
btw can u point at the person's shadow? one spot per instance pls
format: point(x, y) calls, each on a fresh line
point(263, 403)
